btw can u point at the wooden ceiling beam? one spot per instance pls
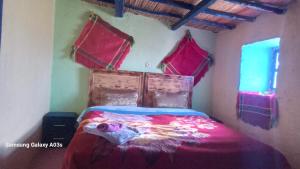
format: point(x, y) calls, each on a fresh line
point(193, 20)
point(200, 7)
point(222, 14)
point(179, 4)
point(260, 6)
point(213, 24)
point(119, 8)
point(228, 15)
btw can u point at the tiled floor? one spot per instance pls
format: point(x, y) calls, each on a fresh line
point(48, 159)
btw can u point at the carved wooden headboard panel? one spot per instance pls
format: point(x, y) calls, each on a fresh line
point(166, 83)
point(121, 80)
point(144, 83)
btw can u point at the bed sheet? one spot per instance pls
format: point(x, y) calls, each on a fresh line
point(169, 142)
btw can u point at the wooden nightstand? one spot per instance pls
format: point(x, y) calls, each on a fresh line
point(58, 128)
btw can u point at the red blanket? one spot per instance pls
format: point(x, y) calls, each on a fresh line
point(188, 59)
point(101, 46)
point(169, 142)
point(257, 109)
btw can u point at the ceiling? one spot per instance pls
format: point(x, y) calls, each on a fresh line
point(212, 15)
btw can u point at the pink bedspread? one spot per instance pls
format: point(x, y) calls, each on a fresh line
point(169, 142)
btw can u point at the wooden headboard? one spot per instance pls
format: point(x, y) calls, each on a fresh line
point(144, 83)
point(166, 83)
point(121, 80)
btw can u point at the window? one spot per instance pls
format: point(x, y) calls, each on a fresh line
point(259, 66)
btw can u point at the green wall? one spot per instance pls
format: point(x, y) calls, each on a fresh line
point(153, 41)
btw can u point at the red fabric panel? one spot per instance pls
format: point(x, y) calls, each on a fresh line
point(173, 142)
point(257, 109)
point(101, 46)
point(188, 59)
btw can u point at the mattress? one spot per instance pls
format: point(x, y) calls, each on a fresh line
point(168, 141)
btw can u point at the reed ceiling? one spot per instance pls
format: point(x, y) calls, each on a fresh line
point(212, 15)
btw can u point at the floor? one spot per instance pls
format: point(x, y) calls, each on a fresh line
point(48, 159)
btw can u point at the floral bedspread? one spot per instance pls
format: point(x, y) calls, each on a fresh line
point(169, 142)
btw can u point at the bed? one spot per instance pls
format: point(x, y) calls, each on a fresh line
point(168, 138)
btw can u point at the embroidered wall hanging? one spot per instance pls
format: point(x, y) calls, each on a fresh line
point(101, 46)
point(188, 59)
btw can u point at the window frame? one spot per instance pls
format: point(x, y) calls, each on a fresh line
point(274, 69)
